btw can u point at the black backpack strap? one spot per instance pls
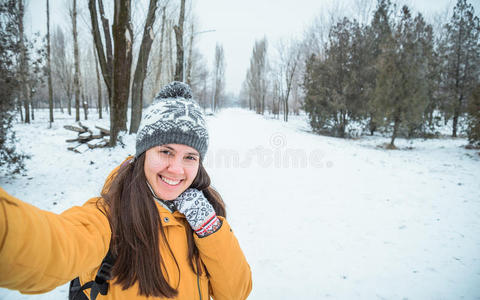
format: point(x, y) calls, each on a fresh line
point(97, 286)
point(74, 292)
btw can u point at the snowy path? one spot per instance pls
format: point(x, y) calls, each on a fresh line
point(317, 217)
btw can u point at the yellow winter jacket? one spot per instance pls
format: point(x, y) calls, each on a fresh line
point(40, 250)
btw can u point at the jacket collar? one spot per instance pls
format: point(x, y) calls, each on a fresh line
point(168, 205)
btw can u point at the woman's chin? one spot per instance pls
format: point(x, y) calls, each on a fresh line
point(169, 195)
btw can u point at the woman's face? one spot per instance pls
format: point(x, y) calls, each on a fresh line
point(170, 169)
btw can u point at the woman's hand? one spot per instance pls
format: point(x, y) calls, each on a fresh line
point(199, 212)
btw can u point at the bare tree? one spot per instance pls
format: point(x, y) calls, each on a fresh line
point(170, 55)
point(49, 70)
point(99, 86)
point(190, 50)
point(257, 76)
point(76, 76)
point(160, 47)
point(218, 76)
point(179, 72)
point(363, 10)
point(289, 55)
point(141, 68)
point(105, 57)
point(122, 62)
point(116, 73)
point(23, 65)
point(62, 67)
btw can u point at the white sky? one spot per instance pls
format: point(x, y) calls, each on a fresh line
point(238, 24)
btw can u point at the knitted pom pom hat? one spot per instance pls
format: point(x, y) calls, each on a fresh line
point(173, 118)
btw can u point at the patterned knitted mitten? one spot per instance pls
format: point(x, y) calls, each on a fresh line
point(198, 211)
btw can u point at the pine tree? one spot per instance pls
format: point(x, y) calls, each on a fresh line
point(377, 34)
point(11, 162)
point(462, 57)
point(335, 84)
point(401, 90)
point(315, 104)
point(473, 130)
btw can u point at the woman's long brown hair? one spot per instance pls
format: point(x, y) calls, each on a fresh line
point(135, 224)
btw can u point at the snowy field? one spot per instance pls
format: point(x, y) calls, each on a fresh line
point(317, 217)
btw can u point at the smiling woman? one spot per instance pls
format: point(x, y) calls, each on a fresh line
point(158, 230)
point(170, 169)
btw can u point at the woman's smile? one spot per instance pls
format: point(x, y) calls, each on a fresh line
point(169, 181)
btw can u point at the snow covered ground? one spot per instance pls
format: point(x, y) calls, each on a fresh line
point(317, 217)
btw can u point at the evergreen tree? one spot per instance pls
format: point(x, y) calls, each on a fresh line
point(462, 59)
point(424, 57)
point(401, 90)
point(316, 103)
point(377, 34)
point(11, 161)
point(433, 70)
point(434, 79)
point(334, 85)
point(474, 118)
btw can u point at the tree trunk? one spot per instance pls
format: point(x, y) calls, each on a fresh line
point(60, 104)
point(99, 86)
point(23, 62)
point(85, 105)
point(372, 126)
point(343, 124)
point(179, 72)
point(215, 97)
point(69, 98)
point(396, 125)
point(108, 43)
point(290, 73)
point(122, 62)
point(76, 77)
point(19, 107)
point(263, 104)
point(455, 122)
point(32, 108)
point(171, 65)
point(107, 103)
point(106, 63)
point(49, 70)
point(456, 114)
point(189, 62)
point(285, 109)
point(141, 68)
point(160, 49)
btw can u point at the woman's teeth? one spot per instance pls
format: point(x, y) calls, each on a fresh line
point(170, 182)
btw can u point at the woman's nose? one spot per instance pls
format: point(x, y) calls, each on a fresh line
point(175, 165)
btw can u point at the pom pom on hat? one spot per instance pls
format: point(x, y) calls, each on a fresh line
point(175, 89)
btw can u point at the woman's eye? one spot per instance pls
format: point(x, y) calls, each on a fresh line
point(165, 152)
point(192, 158)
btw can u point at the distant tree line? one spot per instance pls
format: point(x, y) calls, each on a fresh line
point(111, 58)
point(102, 61)
point(393, 74)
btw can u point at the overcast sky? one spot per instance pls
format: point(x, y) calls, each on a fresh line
point(238, 24)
